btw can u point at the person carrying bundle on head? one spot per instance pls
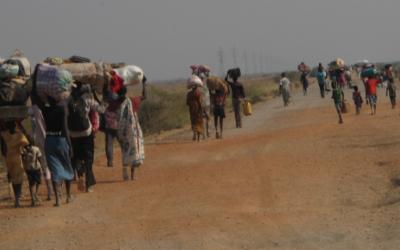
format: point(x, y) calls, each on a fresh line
point(195, 102)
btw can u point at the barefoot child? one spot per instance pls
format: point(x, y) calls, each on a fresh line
point(371, 85)
point(357, 100)
point(31, 158)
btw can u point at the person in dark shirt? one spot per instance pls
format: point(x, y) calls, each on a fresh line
point(58, 148)
point(237, 97)
point(219, 111)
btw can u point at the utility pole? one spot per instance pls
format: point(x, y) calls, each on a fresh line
point(234, 56)
point(221, 61)
point(254, 59)
point(246, 63)
point(261, 58)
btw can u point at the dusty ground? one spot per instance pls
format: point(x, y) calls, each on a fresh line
point(291, 179)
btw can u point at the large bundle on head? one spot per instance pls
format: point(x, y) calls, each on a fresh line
point(194, 81)
point(199, 69)
point(15, 67)
point(215, 83)
point(131, 74)
point(234, 73)
point(90, 73)
point(53, 81)
point(302, 67)
point(368, 70)
point(14, 92)
point(337, 64)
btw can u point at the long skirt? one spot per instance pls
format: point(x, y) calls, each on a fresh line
point(58, 158)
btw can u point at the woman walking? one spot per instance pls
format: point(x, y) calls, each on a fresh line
point(195, 102)
point(58, 148)
point(130, 135)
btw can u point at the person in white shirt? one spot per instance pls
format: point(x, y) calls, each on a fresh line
point(285, 88)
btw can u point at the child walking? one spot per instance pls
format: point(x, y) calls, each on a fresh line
point(358, 101)
point(31, 158)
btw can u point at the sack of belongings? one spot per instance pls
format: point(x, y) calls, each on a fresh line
point(368, 72)
point(8, 71)
point(90, 73)
point(79, 59)
point(53, 81)
point(215, 83)
point(337, 64)
point(198, 69)
point(131, 74)
point(54, 60)
point(234, 73)
point(304, 68)
point(14, 92)
point(194, 81)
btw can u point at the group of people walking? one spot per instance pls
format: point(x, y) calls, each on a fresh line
point(202, 100)
point(340, 76)
point(61, 145)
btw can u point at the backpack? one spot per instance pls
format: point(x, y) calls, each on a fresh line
point(78, 119)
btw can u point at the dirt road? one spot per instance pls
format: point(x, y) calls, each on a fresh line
point(291, 179)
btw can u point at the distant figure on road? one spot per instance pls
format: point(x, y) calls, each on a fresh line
point(357, 98)
point(284, 85)
point(337, 96)
point(304, 71)
point(237, 98)
point(321, 77)
point(371, 85)
point(391, 85)
point(219, 111)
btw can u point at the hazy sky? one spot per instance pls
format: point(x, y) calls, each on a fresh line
point(164, 37)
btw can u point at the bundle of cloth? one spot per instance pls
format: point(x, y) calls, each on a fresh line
point(194, 81)
point(14, 84)
point(50, 80)
point(234, 73)
point(368, 70)
point(199, 69)
point(83, 70)
point(215, 83)
point(303, 68)
point(121, 77)
point(337, 64)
